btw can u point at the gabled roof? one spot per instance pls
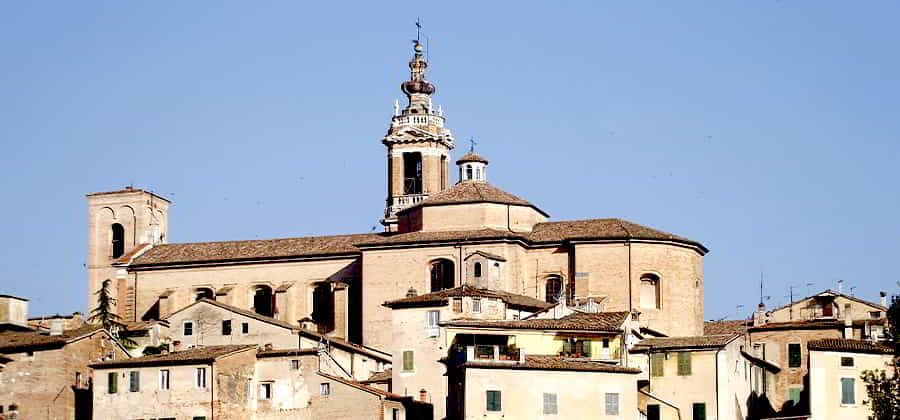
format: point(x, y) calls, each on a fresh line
point(534, 362)
point(737, 326)
point(347, 345)
point(441, 298)
point(849, 346)
point(487, 255)
point(467, 192)
point(19, 341)
point(829, 292)
point(379, 377)
point(234, 309)
point(578, 321)
point(192, 356)
point(252, 250)
point(683, 343)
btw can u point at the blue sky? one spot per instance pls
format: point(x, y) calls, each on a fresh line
point(768, 130)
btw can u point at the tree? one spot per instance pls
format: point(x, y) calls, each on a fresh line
point(110, 320)
point(882, 387)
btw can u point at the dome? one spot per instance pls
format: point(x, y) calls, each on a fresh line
point(410, 87)
point(471, 157)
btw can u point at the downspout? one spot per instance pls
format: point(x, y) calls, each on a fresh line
point(134, 298)
point(507, 219)
point(717, 382)
point(212, 391)
point(630, 299)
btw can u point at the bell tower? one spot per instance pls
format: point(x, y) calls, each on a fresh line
point(418, 144)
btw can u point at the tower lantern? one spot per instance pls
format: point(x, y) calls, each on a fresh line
point(418, 144)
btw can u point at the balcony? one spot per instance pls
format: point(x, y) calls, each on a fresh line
point(493, 353)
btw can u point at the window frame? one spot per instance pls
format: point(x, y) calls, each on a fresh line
point(550, 403)
point(134, 381)
point(799, 357)
point(614, 400)
point(457, 305)
point(266, 390)
point(112, 383)
point(660, 359)
point(324, 389)
point(187, 328)
point(852, 382)
point(694, 407)
point(476, 305)
point(200, 378)
point(245, 328)
point(165, 377)
point(412, 361)
point(497, 401)
point(295, 364)
point(476, 270)
point(226, 327)
point(685, 363)
point(844, 359)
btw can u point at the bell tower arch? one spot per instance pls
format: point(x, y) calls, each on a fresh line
point(418, 144)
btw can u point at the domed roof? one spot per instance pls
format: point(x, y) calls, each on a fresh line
point(471, 157)
point(468, 192)
point(410, 87)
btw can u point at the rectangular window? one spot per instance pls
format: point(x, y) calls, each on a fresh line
point(164, 379)
point(657, 361)
point(794, 395)
point(325, 389)
point(652, 411)
point(408, 364)
point(493, 402)
point(134, 381)
point(112, 382)
point(848, 391)
point(199, 418)
point(698, 411)
point(550, 404)
point(606, 343)
point(265, 390)
point(188, 328)
point(226, 327)
point(476, 305)
point(684, 363)
point(457, 305)
point(395, 414)
point(245, 328)
point(484, 352)
point(794, 358)
point(846, 362)
point(612, 404)
point(295, 365)
point(200, 378)
point(431, 323)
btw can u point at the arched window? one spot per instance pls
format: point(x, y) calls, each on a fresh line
point(649, 291)
point(204, 293)
point(477, 269)
point(468, 171)
point(118, 240)
point(553, 289)
point(442, 275)
point(263, 300)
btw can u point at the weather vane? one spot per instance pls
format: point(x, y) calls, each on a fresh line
point(472, 144)
point(418, 30)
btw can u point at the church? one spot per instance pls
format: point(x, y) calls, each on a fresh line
point(437, 235)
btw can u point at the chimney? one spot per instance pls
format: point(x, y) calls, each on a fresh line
point(267, 346)
point(759, 317)
point(423, 395)
point(13, 312)
point(883, 296)
point(411, 293)
point(848, 325)
point(57, 326)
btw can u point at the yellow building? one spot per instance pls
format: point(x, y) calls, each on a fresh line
point(837, 391)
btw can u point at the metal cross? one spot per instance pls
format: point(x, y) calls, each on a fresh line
point(472, 144)
point(418, 29)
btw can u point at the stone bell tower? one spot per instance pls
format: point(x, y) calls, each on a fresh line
point(418, 145)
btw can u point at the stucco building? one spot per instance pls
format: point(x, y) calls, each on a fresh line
point(837, 390)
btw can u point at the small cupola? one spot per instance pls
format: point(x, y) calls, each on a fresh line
point(472, 167)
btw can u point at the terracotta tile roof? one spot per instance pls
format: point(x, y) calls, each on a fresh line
point(737, 326)
point(471, 157)
point(130, 255)
point(579, 321)
point(592, 229)
point(829, 292)
point(487, 255)
point(366, 388)
point(849, 346)
point(261, 354)
point(378, 377)
point(196, 355)
point(347, 345)
point(554, 363)
point(263, 249)
point(442, 297)
point(677, 343)
point(19, 341)
point(472, 192)
point(420, 237)
point(798, 325)
point(244, 312)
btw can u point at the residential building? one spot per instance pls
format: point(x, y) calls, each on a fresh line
point(44, 373)
point(867, 320)
point(697, 378)
point(837, 390)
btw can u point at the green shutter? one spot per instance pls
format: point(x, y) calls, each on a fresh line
point(699, 411)
point(847, 391)
point(134, 381)
point(408, 360)
point(657, 361)
point(684, 363)
point(113, 383)
point(586, 348)
point(493, 401)
point(794, 395)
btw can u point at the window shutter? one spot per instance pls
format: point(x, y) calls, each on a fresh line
point(794, 359)
point(567, 346)
point(134, 384)
point(684, 363)
point(408, 360)
point(550, 403)
point(493, 402)
point(699, 411)
point(612, 404)
point(656, 364)
point(847, 391)
point(113, 382)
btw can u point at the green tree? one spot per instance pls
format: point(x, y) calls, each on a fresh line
point(110, 320)
point(882, 387)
